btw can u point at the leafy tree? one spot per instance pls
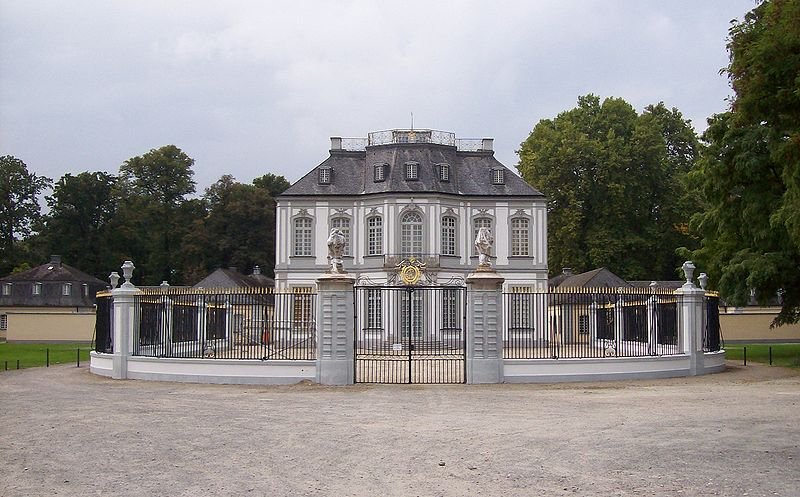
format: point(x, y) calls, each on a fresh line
point(274, 184)
point(239, 229)
point(154, 210)
point(19, 207)
point(750, 173)
point(78, 226)
point(615, 186)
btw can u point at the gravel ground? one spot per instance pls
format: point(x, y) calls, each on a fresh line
point(64, 431)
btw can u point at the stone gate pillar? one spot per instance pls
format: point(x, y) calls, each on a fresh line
point(691, 320)
point(335, 318)
point(123, 323)
point(485, 327)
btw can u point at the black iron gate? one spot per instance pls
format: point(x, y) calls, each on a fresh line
point(410, 334)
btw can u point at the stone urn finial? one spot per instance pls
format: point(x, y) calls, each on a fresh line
point(703, 279)
point(114, 279)
point(127, 273)
point(688, 271)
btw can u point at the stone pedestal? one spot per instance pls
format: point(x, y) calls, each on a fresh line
point(485, 327)
point(335, 318)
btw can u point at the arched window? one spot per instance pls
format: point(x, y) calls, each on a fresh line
point(343, 223)
point(302, 236)
point(520, 236)
point(448, 235)
point(411, 234)
point(374, 235)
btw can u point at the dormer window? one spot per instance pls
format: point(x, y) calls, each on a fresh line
point(411, 171)
point(379, 172)
point(7, 289)
point(444, 172)
point(85, 289)
point(325, 174)
point(37, 288)
point(66, 289)
point(498, 177)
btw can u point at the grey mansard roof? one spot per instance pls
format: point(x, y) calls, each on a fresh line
point(353, 172)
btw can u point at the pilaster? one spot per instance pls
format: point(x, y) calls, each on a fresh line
point(335, 318)
point(485, 328)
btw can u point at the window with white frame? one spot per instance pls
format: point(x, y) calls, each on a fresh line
point(66, 289)
point(450, 307)
point(302, 309)
point(412, 172)
point(411, 310)
point(85, 289)
point(37, 288)
point(3, 322)
point(302, 236)
point(583, 324)
point(374, 309)
point(521, 310)
point(325, 174)
point(374, 235)
point(411, 234)
point(498, 176)
point(448, 235)
point(477, 224)
point(444, 172)
point(343, 224)
point(520, 235)
point(379, 172)
point(7, 288)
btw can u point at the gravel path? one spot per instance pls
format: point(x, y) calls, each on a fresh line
point(64, 431)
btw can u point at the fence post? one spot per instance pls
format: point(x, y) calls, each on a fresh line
point(619, 321)
point(123, 324)
point(652, 325)
point(485, 327)
point(593, 323)
point(335, 321)
point(691, 321)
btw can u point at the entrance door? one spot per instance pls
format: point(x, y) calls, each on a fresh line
point(409, 334)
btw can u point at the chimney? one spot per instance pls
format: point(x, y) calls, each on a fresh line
point(233, 268)
point(567, 271)
point(55, 260)
point(256, 270)
point(336, 143)
point(487, 144)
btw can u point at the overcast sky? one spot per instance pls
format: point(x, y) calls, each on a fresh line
point(247, 88)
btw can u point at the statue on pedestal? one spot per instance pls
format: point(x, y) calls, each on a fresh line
point(483, 244)
point(336, 250)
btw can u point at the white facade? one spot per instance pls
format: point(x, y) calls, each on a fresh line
point(528, 269)
point(436, 224)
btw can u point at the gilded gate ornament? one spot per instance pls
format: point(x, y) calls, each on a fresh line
point(410, 270)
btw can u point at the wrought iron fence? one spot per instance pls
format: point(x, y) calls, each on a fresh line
point(248, 323)
point(590, 323)
point(103, 341)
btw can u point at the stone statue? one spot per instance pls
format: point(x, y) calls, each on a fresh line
point(335, 250)
point(483, 244)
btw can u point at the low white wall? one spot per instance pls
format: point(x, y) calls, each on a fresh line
point(622, 368)
point(101, 364)
point(240, 372)
point(515, 370)
point(714, 362)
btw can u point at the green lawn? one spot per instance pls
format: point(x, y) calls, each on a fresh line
point(783, 354)
point(34, 355)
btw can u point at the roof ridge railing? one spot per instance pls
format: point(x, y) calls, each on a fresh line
point(411, 136)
